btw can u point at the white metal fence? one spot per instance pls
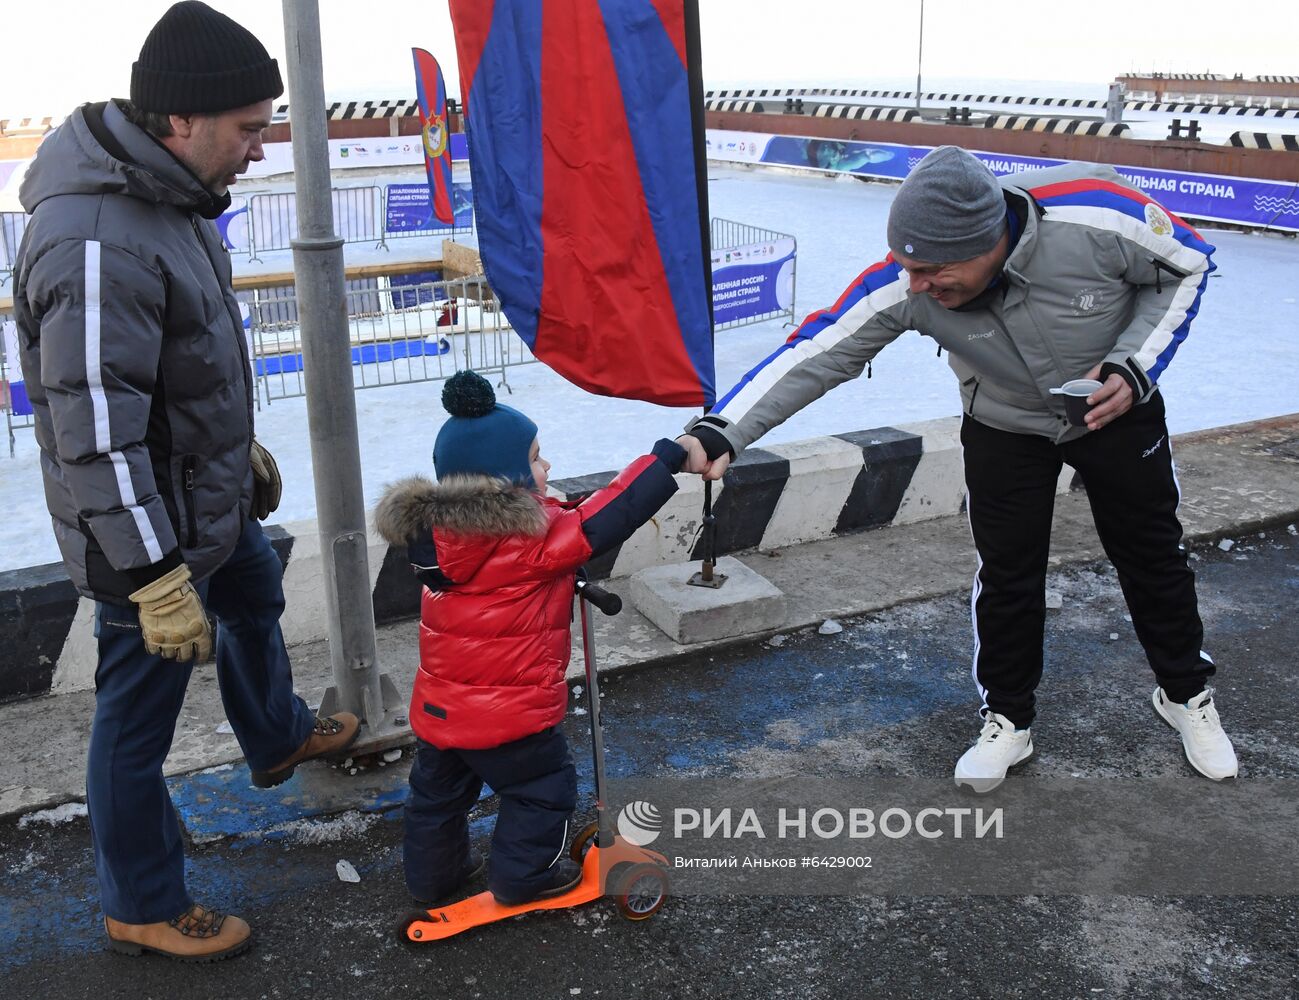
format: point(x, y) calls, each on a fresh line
point(401, 332)
point(273, 218)
point(12, 225)
point(725, 235)
point(360, 216)
point(14, 402)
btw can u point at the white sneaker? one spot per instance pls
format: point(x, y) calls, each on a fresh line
point(1000, 746)
point(1207, 746)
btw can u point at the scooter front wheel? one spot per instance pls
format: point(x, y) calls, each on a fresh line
point(642, 891)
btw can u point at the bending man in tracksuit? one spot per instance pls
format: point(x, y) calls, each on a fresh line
point(1046, 276)
point(135, 357)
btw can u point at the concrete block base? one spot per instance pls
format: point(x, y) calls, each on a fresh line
point(745, 603)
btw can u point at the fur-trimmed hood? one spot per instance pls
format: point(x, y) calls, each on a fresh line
point(463, 505)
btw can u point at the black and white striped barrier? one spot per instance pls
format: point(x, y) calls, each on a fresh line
point(348, 110)
point(1210, 109)
point(774, 496)
point(28, 126)
point(1069, 126)
point(902, 95)
point(1265, 140)
point(861, 112)
point(751, 107)
point(1178, 107)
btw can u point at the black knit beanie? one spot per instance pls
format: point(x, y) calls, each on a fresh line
point(197, 60)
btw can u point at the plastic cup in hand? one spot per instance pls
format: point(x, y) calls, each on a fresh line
point(1075, 395)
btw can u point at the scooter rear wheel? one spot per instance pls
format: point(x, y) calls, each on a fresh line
point(411, 917)
point(583, 841)
point(642, 891)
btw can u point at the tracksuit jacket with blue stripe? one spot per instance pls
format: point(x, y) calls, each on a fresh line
point(1100, 274)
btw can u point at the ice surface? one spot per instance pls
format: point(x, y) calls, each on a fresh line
point(1237, 364)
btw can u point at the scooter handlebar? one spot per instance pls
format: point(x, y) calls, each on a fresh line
point(607, 601)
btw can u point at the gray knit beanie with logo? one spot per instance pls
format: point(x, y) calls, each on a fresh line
point(950, 208)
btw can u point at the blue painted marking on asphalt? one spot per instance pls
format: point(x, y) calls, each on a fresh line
point(218, 804)
point(35, 905)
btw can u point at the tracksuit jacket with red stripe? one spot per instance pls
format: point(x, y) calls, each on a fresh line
point(1100, 274)
point(498, 563)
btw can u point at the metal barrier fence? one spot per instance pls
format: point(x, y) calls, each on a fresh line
point(400, 333)
point(360, 216)
point(273, 218)
point(12, 225)
point(726, 236)
point(13, 421)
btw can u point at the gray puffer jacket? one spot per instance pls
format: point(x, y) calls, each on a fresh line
point(135, 357)
point(1100, 275)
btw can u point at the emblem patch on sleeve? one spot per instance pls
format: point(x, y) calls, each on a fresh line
point(1158, 221)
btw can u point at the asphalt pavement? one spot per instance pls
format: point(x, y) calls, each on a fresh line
point(890, 694)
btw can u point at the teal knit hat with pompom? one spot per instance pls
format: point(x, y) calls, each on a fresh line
point(482, 437)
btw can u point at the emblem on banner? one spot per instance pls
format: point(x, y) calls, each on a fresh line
point(435, 137)
point(1158, 221)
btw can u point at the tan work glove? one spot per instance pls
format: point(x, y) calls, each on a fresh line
point(267, 486)
point(172, 619)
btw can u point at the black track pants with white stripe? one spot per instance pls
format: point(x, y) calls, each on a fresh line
point(1127, 469)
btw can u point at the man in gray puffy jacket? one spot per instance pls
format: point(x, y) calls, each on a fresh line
point(138, 368)
point(1044, 277)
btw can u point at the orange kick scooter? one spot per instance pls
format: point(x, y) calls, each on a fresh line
point(636, 878)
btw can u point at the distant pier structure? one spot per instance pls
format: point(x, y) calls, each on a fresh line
point(1214, 88)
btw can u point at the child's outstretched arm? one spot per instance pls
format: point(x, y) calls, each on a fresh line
point(610, 516)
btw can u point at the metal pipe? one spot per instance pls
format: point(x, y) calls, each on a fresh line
point(920, 51)
point(331, 403)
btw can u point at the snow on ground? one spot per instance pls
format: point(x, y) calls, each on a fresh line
point(57, 816)
point(1238, 364)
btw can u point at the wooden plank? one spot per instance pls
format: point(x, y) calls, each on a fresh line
point(245, 282)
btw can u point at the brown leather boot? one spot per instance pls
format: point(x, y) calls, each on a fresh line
point(197, 935)
point(330, 735)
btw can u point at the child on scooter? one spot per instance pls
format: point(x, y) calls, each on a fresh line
point(498, 560)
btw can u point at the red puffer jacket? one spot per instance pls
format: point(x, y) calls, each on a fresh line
point(498, 563)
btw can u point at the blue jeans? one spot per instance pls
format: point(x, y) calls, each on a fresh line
point(138, 850)
point(537, 785)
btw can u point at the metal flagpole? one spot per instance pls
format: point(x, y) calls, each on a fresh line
point(695, 73)
point(358, 687)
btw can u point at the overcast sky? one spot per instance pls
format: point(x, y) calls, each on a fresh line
point(59, 53)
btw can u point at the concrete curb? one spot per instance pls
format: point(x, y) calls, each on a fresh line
point(774, 497)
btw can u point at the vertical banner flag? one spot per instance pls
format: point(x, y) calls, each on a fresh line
point(589, 214)
point(432, 93)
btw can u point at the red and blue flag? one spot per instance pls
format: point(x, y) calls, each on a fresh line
point(437, 132)
point(584, 155)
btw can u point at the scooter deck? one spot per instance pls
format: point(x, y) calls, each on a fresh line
point(447, 921)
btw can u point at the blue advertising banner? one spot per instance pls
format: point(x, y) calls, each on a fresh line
point(19, 404)
point(1239, 200)
point(411, 290)
point(409, 209)
point(753, 280)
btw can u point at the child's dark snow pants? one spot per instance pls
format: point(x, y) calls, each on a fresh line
point(537, 785)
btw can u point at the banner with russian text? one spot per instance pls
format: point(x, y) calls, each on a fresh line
point(753, 280)
point(590, 214)
point(1217, 198)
